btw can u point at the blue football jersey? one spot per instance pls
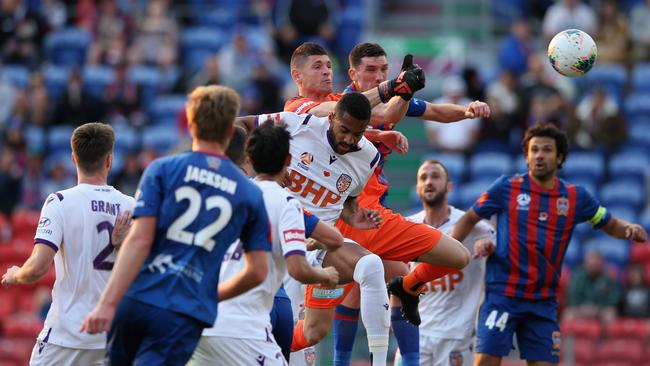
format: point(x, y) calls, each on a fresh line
point(203, 203)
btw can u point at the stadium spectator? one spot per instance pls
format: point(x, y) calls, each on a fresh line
point(453, 137)
point(123, 97)
point(157, 32)
point(58, 178)
point(612, 37)
point(520, 294)
point(566, 14)
point(473, 83)
point(208, 75)
point(640, 32)
point(599, 121)
point(33, 183)
point(38, 100)
point(10, 182)
point(55, 14)
point(541, 100)
point(635, 300)
point(76, 105)
point(236, 62)
point(126, 180)
point(8, 96)
point(516, 48)
point(503, 97)
point(21, 36)
point(593, 293)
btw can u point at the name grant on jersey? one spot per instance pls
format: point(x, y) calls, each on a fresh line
point(213, 179)
point(105, 206)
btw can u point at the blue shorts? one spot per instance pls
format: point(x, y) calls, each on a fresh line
point(282, 323)
point(533, 321)
point(142, 334)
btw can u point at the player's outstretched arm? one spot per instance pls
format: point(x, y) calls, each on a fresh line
point(464, 225)
point(327, 235)
point(129, 260)
point(447, 113)
point(247, 122)
point(622, 229)
point(301, 271)
point(34, 268)
point(252, 275)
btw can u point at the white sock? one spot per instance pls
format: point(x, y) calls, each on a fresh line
point(369, 273)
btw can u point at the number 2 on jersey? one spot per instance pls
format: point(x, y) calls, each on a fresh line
point(203, 237)
point(492, 321)
point(100, 262)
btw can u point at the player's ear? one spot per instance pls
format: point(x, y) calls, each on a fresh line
point(295, 75)
point(109, 161)
point(352, 73)
point(330, 117)
point(74, 159)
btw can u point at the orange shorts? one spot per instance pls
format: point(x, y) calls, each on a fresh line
point(397, 239)
point(319, 297)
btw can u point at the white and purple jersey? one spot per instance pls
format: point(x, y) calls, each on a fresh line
point(250, 311)
point(77, 223)
point(202, 203)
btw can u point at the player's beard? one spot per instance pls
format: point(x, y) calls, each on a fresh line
point(437, 199)
point(545, 174)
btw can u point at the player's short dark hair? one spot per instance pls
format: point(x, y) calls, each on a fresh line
point(91, 143)
point(237, 146)
point(547, 130)
point(438, 162)
point(364, 50)
point(268, 148)
point(305, 50)
point(211, 112)
point(354, 104)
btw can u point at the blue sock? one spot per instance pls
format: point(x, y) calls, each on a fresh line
point(408, 338)
point(346, 321)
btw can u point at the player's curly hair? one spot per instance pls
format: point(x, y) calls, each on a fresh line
point(305, 50)
point(547, 130)
point(354, 104)
point(268, 148)
point(91, 143)
point(211, 112)
point(364, 50)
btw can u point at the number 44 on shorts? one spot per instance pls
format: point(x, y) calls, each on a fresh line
point(492, 321)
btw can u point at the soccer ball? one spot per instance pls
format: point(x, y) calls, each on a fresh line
point(572, 52)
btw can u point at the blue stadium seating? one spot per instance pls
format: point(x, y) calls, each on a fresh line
point(148, 78)
point(471, 191)
point(623, 211)
point(629, 165)
point(160, 138)
point(641, 78)
point(16, 75)
point(520, 164)
point(199, 43)
point(56, 79)
point(644, 219)
point(60, 157)
point(623, 192)
point(574, 253)
point(455, 163)
point(489, 166)
point(35, 137)
point(126, 138)
point(223, 19)
point(588, 165)
point(165, 109)
point(611, 77)
point(616, 252)
point(637, 105)
point(639, 135)
point(96, 79)
point(58, 138)
point(67, 47)
point(588, 184)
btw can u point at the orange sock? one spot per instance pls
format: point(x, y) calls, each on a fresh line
point(424, 272)
point(299, 341)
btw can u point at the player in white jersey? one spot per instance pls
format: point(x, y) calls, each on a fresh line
point(80, 229)
point(251, 342)
point(331, 163)
point(449, 305)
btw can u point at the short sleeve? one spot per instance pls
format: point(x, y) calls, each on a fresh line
point(291, 229)
point(373, 165)
point(50, 225)
point(488, 203)
point(590, 209)
point(149, 195)
point(291, 120)
point(311, 221)
point(256, 234)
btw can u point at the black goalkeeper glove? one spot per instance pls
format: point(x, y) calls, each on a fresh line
point(410, 80)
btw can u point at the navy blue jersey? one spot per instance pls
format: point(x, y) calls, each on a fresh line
point(203, 203)
point(534, 227)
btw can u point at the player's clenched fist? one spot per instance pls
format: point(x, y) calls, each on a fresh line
point(483, 248)
point(410, 79)
point(332, 277)
point(99, 320)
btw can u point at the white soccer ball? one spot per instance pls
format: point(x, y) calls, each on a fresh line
point(572, 52)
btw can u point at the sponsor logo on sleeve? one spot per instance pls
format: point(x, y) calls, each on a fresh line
point(294, 235)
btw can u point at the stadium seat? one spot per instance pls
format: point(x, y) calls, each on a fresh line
point(623, 211)
point(165, 109)
point(160, 138)
point(623, 192)
point(629, 165)
point(35, 137)
point(639, 135)
point(25, 220)
point(67, 47)
point(148, 78)
point(23, 326)
point(628, 350)
point(574, 253)
point(589, 165)
point(198, 43)
point(96, 79)
point(584, 350)
point(56, 79)
point(616, 252)
point(58, 138)
point(644, 219)
point(582, 328)
point(581, 180)
point(455, 163)
point(219, 19)
point(637, 105)
point(640, 253)
point(612, 77)
point(16, 75)
point(489, 166)
point(628, 328)
point(521, 165)
point(126, 138)
point(471, 191)
point(641, 78)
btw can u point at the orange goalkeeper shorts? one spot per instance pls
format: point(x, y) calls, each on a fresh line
point(319, 297)
point(397, 239)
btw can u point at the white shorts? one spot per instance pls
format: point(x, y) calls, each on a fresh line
point(436, 351)
point(236, 351)
point(48, 354)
